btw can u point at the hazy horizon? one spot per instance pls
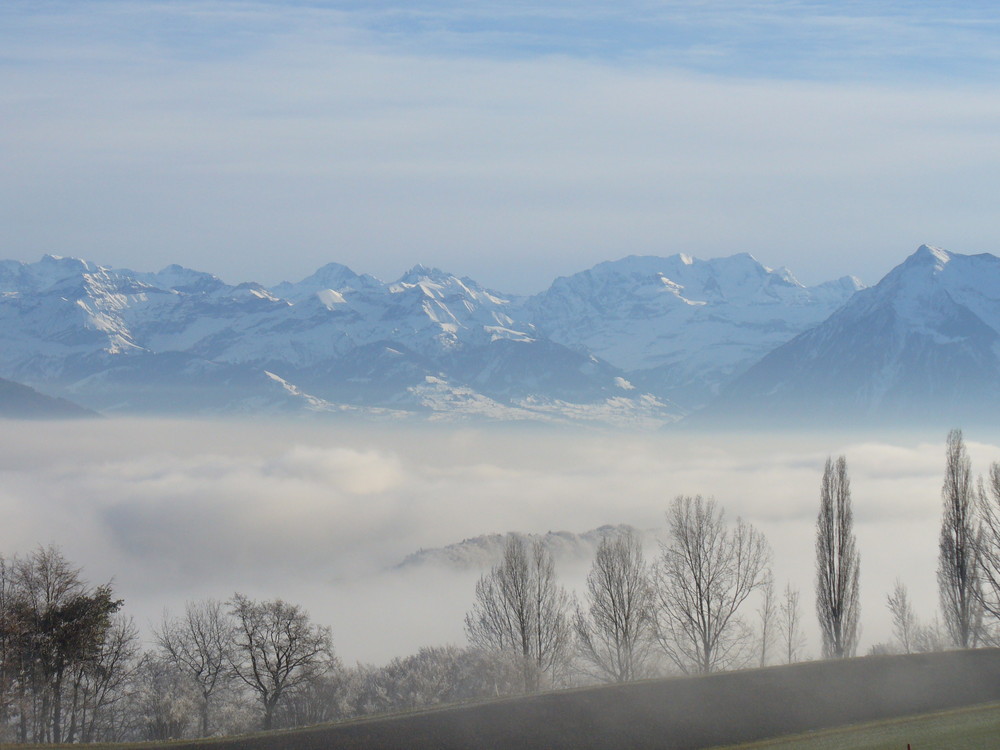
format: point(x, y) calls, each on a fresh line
point(510, 143)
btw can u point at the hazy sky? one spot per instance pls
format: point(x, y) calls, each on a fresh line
point(317, 513)
point(509, 141)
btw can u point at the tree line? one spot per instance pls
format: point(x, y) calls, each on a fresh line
point(686, 611)
point(73, 667)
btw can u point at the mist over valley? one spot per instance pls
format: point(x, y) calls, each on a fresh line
point(323, 514)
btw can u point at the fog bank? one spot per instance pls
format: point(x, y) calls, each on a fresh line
point(319, 514)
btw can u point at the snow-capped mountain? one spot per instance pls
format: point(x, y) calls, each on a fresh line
point(682, 327)
point(182, 340)
point(923, 345)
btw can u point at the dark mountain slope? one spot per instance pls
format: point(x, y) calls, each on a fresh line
point(21, 402)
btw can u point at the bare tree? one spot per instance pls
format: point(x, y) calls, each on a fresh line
point(704, 574)
point(277, 649)
point(790, 625)
point(199, 643)
point(767, 614)
point(520, 608)
point(163, 700)
point(614, 632)
point(8, 646)
point(989, 542)
point(103, 682)
point(958, 574)
point(837, 564)
point(433, 676)
point(930, 638)
point(904, 622)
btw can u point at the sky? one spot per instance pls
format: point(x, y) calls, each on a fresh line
point(511, 142)
point(319, 514)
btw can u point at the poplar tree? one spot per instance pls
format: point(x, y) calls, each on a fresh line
point(838, 564)
point(959, 580)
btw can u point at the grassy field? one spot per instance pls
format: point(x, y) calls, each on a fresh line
point(975, 728)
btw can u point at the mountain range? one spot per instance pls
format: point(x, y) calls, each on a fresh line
point(920, 347)
point(640, 341)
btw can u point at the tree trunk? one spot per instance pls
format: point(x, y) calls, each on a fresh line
point(71, 732)
point(204, 715)
point(57, 709)
point(22, 729)
point(268, 715)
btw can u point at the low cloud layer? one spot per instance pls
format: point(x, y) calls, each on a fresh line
point(319, 514)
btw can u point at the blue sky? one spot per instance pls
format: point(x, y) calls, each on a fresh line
point(511, 142)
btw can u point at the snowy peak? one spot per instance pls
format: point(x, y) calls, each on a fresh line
point(420, 273)
point(953, 268)
point(737, 279)
point(332, 276)
point(59, 267)
point(927, 254)
point(177, 278)
point(639, 340)
point(928, 289)
point(438, 284)
point(682, 327)
point(922, 345)
point(16, 276)
point(844, 285)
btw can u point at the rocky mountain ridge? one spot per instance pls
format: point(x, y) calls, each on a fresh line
point(922, 346)
point(679, 326)
point(429, 343)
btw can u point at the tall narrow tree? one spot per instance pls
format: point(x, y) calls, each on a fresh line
point(959, 584)
point(838, 564)
point(790, 625)
point(767, 616)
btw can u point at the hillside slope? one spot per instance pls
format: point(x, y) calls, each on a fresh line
point(672, 714)
point(21, 402)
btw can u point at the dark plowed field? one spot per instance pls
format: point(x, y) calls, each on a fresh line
point(675, 713)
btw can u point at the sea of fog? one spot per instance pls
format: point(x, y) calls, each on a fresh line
point(320, 513)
